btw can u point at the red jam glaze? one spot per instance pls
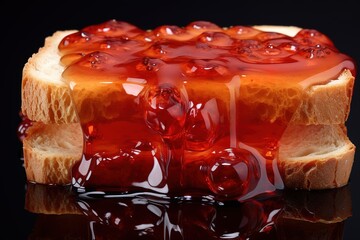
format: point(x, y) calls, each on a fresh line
point(174, 111)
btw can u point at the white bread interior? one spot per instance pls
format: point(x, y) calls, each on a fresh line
point(50, 151)
point(315, 152)
point(315, 156)
point(45, 97)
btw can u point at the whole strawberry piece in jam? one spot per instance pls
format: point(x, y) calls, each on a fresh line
point(165, 109)
point(233, 172)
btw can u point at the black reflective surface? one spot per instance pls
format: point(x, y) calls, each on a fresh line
point(62, 214)
point(33, 211)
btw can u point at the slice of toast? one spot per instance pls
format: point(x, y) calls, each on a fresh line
point(46, 98)
point(310, 157)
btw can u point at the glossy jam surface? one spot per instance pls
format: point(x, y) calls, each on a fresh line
point(195, 110)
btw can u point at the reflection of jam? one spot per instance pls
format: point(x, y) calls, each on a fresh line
point(61, 214)
point(193, 110)
point(149, 218)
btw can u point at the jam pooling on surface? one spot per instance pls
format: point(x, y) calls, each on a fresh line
point(289, 215)
point(151, 218)
point(189, 111)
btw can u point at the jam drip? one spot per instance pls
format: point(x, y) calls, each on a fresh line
point(192, 110)
point(24, 125)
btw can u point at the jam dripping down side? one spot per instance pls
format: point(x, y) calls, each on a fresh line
point(189, 111)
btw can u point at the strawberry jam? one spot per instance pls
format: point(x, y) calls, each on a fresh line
point(195, 110)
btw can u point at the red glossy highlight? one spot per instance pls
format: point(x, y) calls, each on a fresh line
point(24, 125)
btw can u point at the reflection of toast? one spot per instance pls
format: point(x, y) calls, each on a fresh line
point(56, 200)
point(314, 215)
point(310, 214)
point(323, 160)
point(326, 206)
point(65, 226)
point(297, 229)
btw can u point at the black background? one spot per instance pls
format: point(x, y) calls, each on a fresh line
point(25, 25)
